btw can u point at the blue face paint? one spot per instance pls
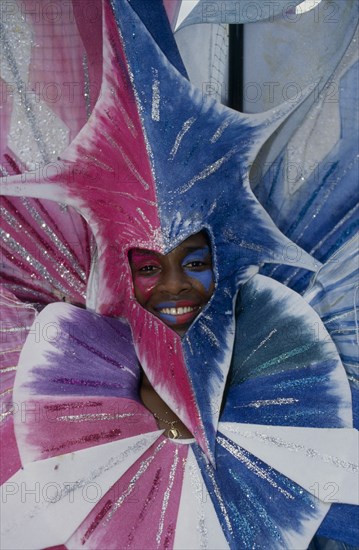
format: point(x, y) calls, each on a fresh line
point(204, 275)
point(167, 318)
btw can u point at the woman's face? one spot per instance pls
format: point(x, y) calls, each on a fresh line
point(176, 286)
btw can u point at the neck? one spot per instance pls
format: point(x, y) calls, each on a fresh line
point(165, 417)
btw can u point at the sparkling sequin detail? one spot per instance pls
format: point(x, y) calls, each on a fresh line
point(208, 171)
point(86, 85)
point(261, 344)
point(7, 369)
point(251, 465)
point(16, 247)
point(269, 402)
point(298, 448)
point(143, 467)
point(156, 97)
point(93, 417)
point(61, 269)
point(90, 438)
point(54, 238)
point(99, 517)
point(198, 488)
point(281, 358)
point(210, 334)
point(166, 497)
point(36, 134)
point(220, 131)
point(127, 160)
point(217, 492)
point(6, 414)
point(186, 126)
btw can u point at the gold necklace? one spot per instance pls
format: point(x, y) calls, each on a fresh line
point(172, 433)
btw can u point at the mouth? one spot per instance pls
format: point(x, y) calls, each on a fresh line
point(177, 310)
point(177, 313)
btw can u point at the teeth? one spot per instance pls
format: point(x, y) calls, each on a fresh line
point(177, 310)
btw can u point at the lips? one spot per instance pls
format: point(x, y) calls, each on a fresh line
point(178, 313)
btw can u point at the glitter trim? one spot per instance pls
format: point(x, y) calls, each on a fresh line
point(6, 414)
point(166, 497)
point(5, 392)
point(24, 102)
point(210, 335)
point(53, 236)
point(259, 346)
point(208, 171)
point(236, 452)
point(198, 488)
point(93, 417)
point(86, 85)
point(16, 247)
point(186, 126)
point(7, 369)
point(217, 492)
point(61, 269)
point(269, 402)
point(143, 467)
point(273, 441)
point(220, 131)
point(156, 97)
point(127, 160)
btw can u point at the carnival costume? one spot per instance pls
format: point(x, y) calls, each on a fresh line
point(256, 379)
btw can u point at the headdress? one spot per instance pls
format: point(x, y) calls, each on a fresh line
point(155, 163)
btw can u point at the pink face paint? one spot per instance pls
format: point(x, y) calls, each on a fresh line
point(146, 272)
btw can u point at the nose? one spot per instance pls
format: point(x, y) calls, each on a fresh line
point(174, 281)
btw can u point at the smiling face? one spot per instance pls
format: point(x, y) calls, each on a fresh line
point(176, 286)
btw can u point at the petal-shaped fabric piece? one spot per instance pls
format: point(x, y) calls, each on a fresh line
point(198, 525)
point(142, 507)
point(53, 514)
point(243, 489)
point(333, 295)
point(313, 198)
point(322, 461)
point(16, 321)
point(66, 409)
point(281, 354)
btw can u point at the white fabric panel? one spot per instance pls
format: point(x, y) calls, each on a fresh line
point(56, 495)
point(197, 522)
point(324, 461)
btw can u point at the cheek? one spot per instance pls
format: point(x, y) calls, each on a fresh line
point(205, 278)
point(144, 287)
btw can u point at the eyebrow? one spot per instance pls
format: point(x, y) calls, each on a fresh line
point(146, 252)
point(195, 248)
point(142, 252)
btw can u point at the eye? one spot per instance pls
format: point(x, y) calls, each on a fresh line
point(195, 264)
point(198, 265)
point(148, 269)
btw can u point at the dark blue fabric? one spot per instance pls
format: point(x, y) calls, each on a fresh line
point(243, 488)
point(153, 16)
point(341, 523)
